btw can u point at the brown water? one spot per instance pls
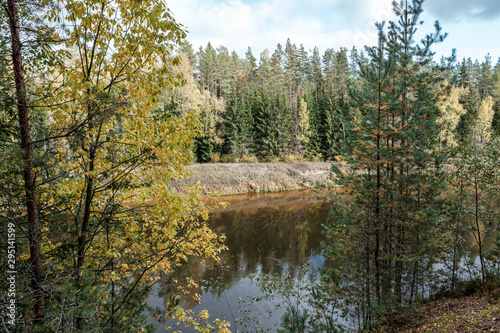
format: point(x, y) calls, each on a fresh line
point(265, 233)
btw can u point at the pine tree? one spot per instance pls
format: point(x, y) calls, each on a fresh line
point(264, 74)
point(496, 96)
point(224, 72)
point(316, 72)
point(207, 66)
point(277, 82)
point(250, 63)
point(386, 235)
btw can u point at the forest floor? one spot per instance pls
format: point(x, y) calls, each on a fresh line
point(475, 313)
point(235, 178)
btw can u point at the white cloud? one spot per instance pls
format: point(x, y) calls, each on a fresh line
point(263, 24)
point(457, 10)
point(362, 11)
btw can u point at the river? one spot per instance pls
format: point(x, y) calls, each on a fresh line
point(265, 233)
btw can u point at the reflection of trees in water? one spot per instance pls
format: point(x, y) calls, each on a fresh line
point(265, 240)
point(272, 239)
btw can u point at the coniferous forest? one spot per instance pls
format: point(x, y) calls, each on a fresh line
point(297, 101)
point(104, 104)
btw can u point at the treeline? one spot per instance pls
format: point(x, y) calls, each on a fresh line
point(294, 101)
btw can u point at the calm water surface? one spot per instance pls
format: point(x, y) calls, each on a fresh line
point(265, 233)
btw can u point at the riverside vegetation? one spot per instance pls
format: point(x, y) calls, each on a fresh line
point(99, 115)
point(232, 178)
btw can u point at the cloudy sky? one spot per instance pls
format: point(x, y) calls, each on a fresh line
point(473, 26)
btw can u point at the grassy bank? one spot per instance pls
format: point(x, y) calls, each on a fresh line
point(234, 178)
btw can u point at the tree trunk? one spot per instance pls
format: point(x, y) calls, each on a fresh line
point(29, 177)
point(478, 230)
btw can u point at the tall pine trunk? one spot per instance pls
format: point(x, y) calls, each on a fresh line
point(28, 174)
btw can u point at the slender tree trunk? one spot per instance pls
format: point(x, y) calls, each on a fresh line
point(455, 245)
point(478, 230)
point(89, 196)
point(368, 312)
point(29, 177)
point(387, 264)
point(82, 236)
point(399, 267)
point(378, 194)
point(455, 249)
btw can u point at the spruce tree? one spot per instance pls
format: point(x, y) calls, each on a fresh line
point(238, 127)
point(207, 60)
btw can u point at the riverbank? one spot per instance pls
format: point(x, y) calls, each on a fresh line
point(479, 312)
point(236, 178)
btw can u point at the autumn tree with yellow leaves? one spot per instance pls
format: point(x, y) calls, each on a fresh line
point(103, 151)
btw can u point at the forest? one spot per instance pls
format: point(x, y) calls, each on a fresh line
point(297, 102)
point(104, 104)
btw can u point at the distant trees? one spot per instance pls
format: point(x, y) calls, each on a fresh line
point(481, 82)
point(310, 92)
point(284, 102)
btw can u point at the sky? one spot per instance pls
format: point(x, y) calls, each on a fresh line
point(473, 26)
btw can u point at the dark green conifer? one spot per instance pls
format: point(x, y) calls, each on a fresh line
point(387, 235)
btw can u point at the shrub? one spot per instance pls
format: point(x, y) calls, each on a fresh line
point(215, 157)
point(314, 156)
point(292, 158)
point(248, 159)
point(229, 159)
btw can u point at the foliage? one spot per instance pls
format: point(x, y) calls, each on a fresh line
point(476, 193)
point(482, 126)
point(306, 306)
point(106, 149)
point(384, 241)
point(450, 112)
point(292, 101)
point(210, 109)
point(493, 257)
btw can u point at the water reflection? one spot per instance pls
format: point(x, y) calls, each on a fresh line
point(265, 234)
